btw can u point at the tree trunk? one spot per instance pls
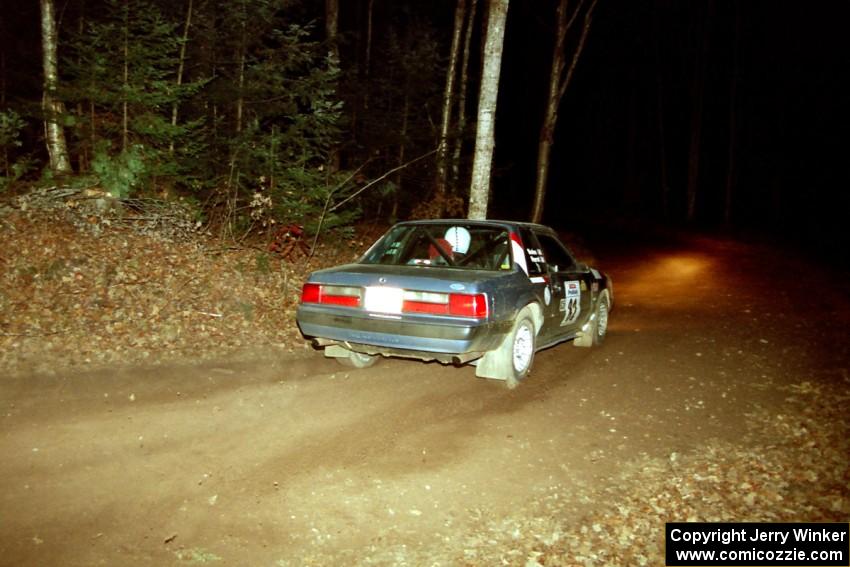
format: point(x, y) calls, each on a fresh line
point(448, 99)
point(53, 109)
point(125, 110)
point(696, 118)
point(332, 27)
point(367, 68)
point(662, 136)
point(401, 150)
point(731, 172)
point(461, 98)
point(180, 68)
point(479, 192)
point(242, 56)
point(559, 79)
point(2, 70)
point(370, 9)
point(332, 36)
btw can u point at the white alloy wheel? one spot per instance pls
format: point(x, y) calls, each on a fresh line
point(521, 352)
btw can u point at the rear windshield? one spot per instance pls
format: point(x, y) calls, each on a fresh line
point(455, 245)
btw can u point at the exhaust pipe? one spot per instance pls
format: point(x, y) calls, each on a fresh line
point(463, 358)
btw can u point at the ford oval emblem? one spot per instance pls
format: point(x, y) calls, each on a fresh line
point(382, 280)
point(458, 286)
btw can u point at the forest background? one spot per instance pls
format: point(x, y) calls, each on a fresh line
point(258, 114)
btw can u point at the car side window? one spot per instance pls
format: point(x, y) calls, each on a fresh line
point(533, 254)
point(558, 257)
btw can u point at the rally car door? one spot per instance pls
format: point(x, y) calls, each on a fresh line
point(570, 286)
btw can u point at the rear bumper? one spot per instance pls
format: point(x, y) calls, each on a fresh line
point(406, 336)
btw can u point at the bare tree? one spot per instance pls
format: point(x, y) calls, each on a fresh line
point(448, 99)
point(732, 171)
point(332, 27)
point(370, 12)
point(461, 97)
point(479, 191)
point(125, 105)
point(242, 56)
point(57, 149)
point(660, 109)
point(559, 79)
point(181, 66)
point(367, 65)
point(332, 36)
point(698, 87)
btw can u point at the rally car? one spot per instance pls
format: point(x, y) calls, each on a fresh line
point(488, 293)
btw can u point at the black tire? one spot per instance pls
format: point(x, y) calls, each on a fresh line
point(600, 324)
point(520, 350)
point(358, 360)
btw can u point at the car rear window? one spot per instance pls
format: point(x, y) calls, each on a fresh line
point(452, 245)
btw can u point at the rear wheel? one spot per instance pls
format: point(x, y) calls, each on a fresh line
point(358, 360)
point(520, 351)
point(512, 359)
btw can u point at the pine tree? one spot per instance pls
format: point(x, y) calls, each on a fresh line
point(123, 67)
point(277, 116)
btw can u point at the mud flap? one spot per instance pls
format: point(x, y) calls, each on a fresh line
point(584, 338)
point(497, 364)
point(492, 365)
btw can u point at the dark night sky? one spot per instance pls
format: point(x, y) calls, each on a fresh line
point(792, 115)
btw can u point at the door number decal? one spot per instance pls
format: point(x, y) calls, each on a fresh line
point(571, 305)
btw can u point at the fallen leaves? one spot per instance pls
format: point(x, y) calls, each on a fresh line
point(69, 297)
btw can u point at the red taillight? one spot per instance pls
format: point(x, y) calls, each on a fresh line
point(425, 307)
point(311, 293)
point(344, 300)
point(465, 305)
point(458, 304)
point(331, 295)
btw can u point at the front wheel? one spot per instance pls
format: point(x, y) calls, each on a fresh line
point(600, 326)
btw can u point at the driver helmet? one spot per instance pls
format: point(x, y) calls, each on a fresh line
point(459, 239)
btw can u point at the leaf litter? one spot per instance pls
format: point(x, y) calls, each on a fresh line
point(72, 296)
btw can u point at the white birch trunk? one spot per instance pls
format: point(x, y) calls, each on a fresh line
point(479, 192)
point(53, 109)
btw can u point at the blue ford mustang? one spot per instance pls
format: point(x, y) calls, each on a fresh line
point(488, 293)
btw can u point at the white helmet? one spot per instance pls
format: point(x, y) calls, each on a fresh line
point(459, 238)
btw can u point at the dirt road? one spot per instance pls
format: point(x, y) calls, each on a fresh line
point(721, 393)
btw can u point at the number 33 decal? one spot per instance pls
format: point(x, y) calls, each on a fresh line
point(571, 305)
